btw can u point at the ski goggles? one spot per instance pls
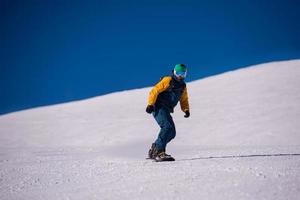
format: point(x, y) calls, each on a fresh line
point(180, 74)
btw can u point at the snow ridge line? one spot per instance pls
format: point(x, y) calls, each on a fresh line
point(242, 156)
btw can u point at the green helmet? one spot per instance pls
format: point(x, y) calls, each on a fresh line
point(180, 70)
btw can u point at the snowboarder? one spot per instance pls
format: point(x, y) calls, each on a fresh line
point(161, 103)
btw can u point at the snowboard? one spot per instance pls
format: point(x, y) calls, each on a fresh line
point(167, 159)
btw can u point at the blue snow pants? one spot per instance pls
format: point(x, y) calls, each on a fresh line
point(167, 127)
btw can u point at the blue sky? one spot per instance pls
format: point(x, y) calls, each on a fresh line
point(55, 51)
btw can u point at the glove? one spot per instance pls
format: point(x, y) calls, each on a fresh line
point(150, 109)
point(187, 114)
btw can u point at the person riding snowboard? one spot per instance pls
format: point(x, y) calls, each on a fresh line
point(161, 103)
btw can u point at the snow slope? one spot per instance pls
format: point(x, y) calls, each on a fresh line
point(242, 141)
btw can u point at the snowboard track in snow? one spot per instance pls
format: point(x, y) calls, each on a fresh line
point(242, 156)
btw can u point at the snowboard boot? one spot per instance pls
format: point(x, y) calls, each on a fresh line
point(153, 151)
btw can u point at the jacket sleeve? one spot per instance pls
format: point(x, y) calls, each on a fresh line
point(184, 101)
point(157, 89)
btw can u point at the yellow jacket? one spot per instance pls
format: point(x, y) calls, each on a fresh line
point(171, 92)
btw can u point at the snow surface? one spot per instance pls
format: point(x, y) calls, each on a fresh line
point(242, 141)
